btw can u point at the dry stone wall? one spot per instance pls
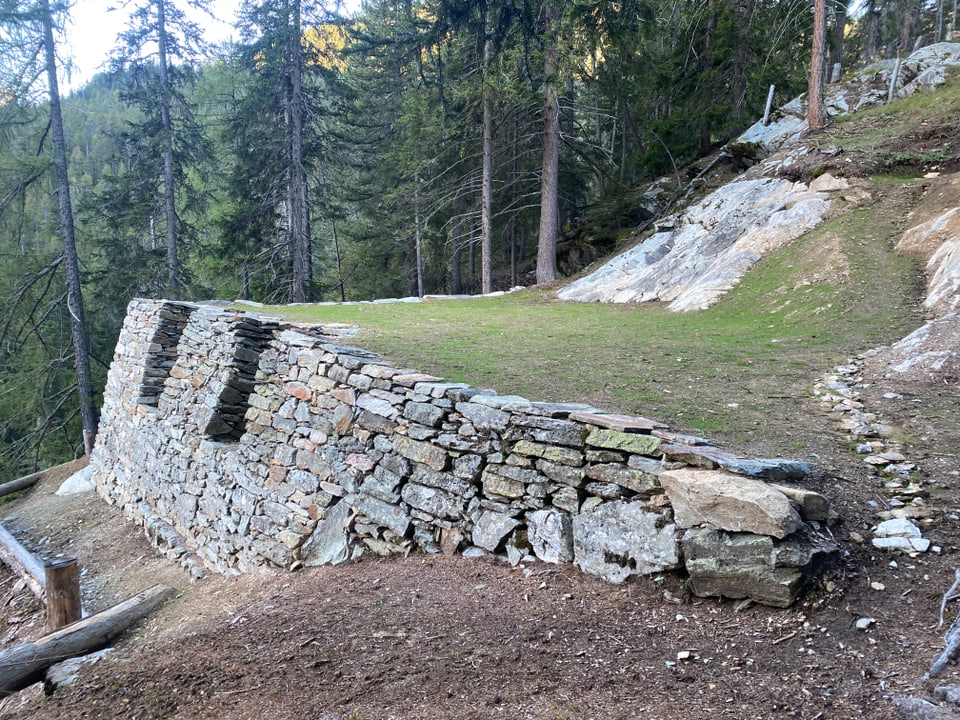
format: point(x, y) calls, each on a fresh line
point(240, 442)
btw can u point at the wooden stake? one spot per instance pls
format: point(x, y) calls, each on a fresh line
point(766, 113)
point(63, 592)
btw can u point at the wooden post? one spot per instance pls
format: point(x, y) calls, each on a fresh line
point(63, 592)
point(766, 113)
point(893, 80)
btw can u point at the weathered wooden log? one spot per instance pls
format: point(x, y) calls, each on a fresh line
point(20, 483)
point(23, 665)
point(63, 592)
point(22, 562)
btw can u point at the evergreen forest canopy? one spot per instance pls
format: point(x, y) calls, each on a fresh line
point(422, 146)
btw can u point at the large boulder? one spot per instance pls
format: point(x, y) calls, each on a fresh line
point(618, 540)
point(723, 501)
point(758, 567)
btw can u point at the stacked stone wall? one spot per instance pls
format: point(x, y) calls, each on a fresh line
point(275, 446)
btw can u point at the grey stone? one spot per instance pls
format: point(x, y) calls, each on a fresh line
point(382, 484)
point(566, 498)
point(491, 529)
point(423, 413)
point(434, 501)
point(550, 533)
point(483, 417)
point(79, 482)
point(618, 540)
point(639, 481)
point(445, 481)
point(561, 473)
point(547, 430)
point(729, 502)
point(773, 469)
point(468, 467)
point(422, 452)
point(382, 513)
point(65, 673)
point(744, 565)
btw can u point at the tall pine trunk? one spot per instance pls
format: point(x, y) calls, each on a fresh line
point(78, 322)
point(298, 236)
point(741, 57)
point(816, 113)
point(169, 203)
point(549, 184)
point(486, 193)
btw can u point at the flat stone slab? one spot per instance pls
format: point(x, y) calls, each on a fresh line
point(712, 458)
point(723, 501)
point(623, 423)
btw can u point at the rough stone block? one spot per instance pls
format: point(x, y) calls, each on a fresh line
point(729, 502)
point(434, 501)
point(483, 417)
point(551, 453)
point(639, 481)
point(626, 442)
point(617, 540)
point(423, 413)
point(710, 458)
point(547, 430)
point(421, 452)
point(744, 565)
point(550, 533)
point(492, 529)
point(561, 473)
point(384, 514)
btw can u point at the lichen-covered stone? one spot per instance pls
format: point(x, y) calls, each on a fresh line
point(617, 540)
point(627, 442)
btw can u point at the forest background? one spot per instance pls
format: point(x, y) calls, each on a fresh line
point(416, 147)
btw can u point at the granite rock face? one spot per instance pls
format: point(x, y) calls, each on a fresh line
point(239, 442)
point(713, 243)
point(704, 251)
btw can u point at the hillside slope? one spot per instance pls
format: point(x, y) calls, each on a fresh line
point(695, 257)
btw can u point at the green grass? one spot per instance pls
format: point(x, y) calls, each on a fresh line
point(918, 131)
point(735, 370)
